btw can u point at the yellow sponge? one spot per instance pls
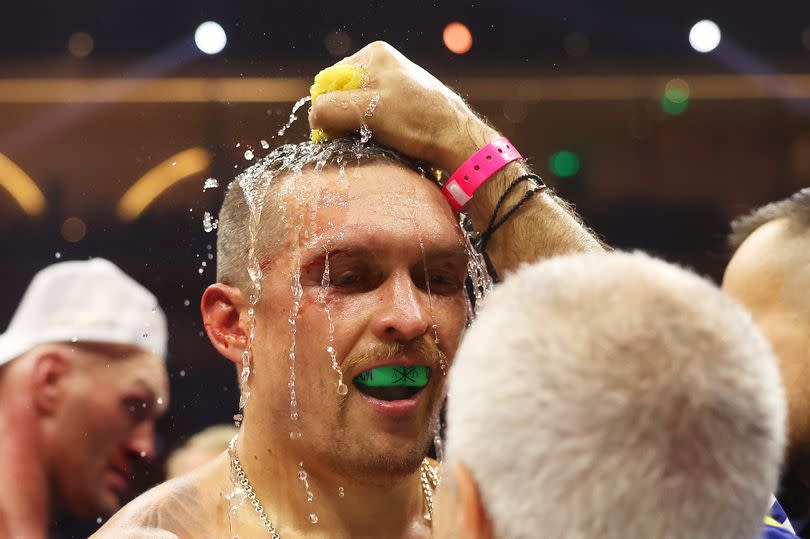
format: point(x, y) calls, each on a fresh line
point(337, 77)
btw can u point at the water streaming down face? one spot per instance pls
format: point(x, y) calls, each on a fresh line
point(289, 161)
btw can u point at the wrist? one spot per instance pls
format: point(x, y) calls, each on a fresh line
point(464, 135)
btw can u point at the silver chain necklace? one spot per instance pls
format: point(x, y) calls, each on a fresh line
point(429, 479)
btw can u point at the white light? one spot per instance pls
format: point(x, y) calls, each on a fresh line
point(704, 36)
point(210, 37)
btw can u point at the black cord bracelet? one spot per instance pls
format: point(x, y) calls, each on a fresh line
point(494, 223)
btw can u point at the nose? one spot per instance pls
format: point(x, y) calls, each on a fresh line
point(142, 440)
point(403, 314)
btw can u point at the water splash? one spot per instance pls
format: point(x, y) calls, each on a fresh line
point(479, 279)
point(265, 144)
point(210, 183)
point(248, 155)
point(434, 326)
point(209, 222)
point(304, 478)
point(298, 104)
point(372, 105)
point(342, 388)
point(235, 497)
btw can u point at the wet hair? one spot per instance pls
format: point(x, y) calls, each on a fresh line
point(262, 182)
point(623, 415)
point(796, 208)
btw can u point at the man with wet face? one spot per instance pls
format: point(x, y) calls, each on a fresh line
point(769, 273)
point(82, 381)
point(344, 297)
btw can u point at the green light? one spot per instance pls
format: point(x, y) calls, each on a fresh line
point(564, 164)
point(676, 103)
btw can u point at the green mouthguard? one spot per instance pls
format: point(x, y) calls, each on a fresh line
point(395, 376)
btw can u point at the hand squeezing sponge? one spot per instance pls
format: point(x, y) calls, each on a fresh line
point(337, 77)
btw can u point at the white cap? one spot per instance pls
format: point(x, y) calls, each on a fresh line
point(85, 301)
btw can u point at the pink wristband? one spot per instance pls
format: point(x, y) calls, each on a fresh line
point(477, 169)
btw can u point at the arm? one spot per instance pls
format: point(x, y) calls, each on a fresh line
point(419, 116)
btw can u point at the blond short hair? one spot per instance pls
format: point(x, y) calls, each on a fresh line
point(613, 395)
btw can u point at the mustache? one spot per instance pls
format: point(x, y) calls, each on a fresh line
point(424, 348)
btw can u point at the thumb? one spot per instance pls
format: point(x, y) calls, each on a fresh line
point(341, 110)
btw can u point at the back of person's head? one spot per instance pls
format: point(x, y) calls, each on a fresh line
point(199, 449)
point(612, 396)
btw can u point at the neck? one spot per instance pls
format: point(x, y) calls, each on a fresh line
point(361, 510)
point(24, 501)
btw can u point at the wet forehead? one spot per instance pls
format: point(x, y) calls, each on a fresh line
point(382, 201)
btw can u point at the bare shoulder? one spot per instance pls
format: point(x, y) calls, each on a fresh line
point(186, 507)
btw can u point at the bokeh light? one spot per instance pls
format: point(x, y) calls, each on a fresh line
point(704, 36)
point(676, 97)
point(337, 43)
point(73, 229)
point(564, 163)
point(457, 37)
point(80, 44)
point(210, 37)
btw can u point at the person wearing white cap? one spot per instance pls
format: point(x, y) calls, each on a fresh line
point(82, 381)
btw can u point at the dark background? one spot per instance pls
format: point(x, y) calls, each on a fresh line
point(586, 76)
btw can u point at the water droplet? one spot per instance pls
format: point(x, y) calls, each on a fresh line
point(313, 518)
point(365, 134)
point(174, 163)
point(210, 183)
point(204, 264)
point(248, 155)
point(74, 339)
point(182, 373)
point(310, 496)
point(341, 493)
point(160, 400)
point(295, 435)
point(186, 302)
point(238, 144)
point(58, 254)
point(298, 104)
point(99, 520)
point(342, 389)
point(143, 454)
point(210, 256)
point(265, 144)
point(200, 271)
point(209, 223)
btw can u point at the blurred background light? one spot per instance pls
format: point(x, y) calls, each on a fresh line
point(676, 97)
point(80, 44)
point(210, 37)
point(457, 37)
point(73, 229)
point(576, 44)
point(157, 180)
point(564, 164)
point(337, 43)
point(704, 36)
point(21, 187)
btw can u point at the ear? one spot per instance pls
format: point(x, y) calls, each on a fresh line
point(473, 517)
point(221, 308)
point(48, 379)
